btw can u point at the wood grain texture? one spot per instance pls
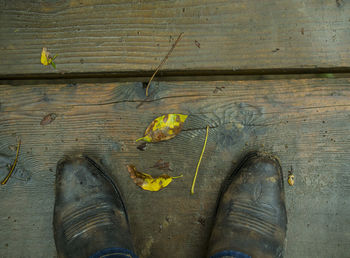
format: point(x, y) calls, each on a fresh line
point(305, 122)
point(134, 36)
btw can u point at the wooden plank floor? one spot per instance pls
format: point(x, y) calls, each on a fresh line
point(133, 36)
point(305, 122)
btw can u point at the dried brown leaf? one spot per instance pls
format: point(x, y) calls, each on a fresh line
point(48, 119)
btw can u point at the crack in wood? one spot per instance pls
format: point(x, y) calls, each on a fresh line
point(136, 101)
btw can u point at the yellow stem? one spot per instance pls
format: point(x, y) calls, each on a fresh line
point(199, 162)
point(177, 176)
point(13, 166)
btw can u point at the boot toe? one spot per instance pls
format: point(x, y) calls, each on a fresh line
point(89, 213)
point(81, 178)
point(251, 216)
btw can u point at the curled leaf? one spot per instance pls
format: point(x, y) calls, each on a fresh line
point(164, 128)
point(147, 182)
point(46, 58)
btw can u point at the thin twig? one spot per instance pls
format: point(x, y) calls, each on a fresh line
point(163, 61)
point(13, 166)
point(199, 162)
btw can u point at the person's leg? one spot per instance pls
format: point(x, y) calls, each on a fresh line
point(251, 218)
point(90, 218)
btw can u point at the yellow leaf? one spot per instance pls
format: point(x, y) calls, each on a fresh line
point(164, 128)
point(147, 182)
point(291, 179)
point(45, 57)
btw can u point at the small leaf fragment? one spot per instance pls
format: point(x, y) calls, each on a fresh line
point(147, 182)
point(48, 119)
point(46, 58)
point(197, 44)
point(142, 146)
point(164, 128)
point(291, 179)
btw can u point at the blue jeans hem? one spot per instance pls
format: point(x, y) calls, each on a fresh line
point(114, 252)
point(230, 253)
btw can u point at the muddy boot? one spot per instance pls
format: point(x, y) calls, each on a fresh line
point(89, 215)
point(251, 216)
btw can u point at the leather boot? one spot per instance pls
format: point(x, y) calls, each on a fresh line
point(251, 215)
point(89, 212)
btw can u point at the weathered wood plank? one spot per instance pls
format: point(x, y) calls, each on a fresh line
point(305, 122)
point(134, 36)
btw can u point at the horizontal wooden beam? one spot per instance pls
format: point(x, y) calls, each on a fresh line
point(92, 36)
